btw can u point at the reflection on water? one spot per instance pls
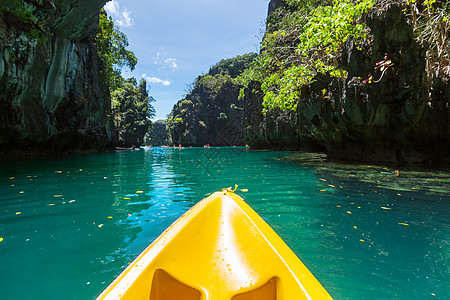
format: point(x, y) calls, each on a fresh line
point(363, 231)
point(394, 178)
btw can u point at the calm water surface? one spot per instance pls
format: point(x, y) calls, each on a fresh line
point(69, 226)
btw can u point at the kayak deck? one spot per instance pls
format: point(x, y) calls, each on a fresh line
point(219, 249)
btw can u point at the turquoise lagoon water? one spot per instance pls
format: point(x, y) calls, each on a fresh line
point(69, 226)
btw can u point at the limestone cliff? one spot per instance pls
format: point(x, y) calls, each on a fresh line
point(402, 118)
point(211, 112)
point(51, 98)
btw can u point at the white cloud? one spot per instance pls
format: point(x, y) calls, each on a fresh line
point(112, 8)
point(156, 80)
point(156, 58)
point(126, 20)
point(164, 63)
point(121, 17)
point(171, 62)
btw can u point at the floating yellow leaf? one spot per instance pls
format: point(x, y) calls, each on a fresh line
point(322, 179)
point(323, 190)
point(126, 198)
point(18, 213)
point(58, 172)
point(383, 207)
point(404, 224)
point(51, 204)
point(362, 241)
point(100, 225)
point(110, 217)
point(81, 170)
point(355, 227)
point(330, 185)
point(338, 206)
point(1, 239)
point(11, 178)
point(349, 212)
point(71, 201)
point(21, 192)
point(57, 196)
point(244, 190)
point(13, 185)
point(139, 192)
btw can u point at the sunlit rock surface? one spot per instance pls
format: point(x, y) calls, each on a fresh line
point(398, 119)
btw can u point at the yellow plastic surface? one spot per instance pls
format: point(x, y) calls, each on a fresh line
point(220, 249)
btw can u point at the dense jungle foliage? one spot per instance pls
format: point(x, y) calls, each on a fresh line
point(132, 111)
point(302, 41)
point(306, 37)
point(130, 101)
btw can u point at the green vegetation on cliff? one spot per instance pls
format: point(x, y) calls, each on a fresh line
point(306, 39)
point(22, 12)
point(301, 42)
point(358, 79)
point(112, 50)
point(130, 102)
point(132, 111)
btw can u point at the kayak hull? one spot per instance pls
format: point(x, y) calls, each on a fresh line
point(219, 249)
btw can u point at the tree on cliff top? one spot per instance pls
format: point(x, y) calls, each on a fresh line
point(111, 46)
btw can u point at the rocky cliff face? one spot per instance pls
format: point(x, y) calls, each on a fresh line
point(208, 117)
point(401, 118)
point(211, 113)
point(274, 4)
point(51, 98)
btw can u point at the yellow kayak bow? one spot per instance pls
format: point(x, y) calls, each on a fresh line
point(220, 249)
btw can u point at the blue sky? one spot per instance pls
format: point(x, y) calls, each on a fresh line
point(177, 40)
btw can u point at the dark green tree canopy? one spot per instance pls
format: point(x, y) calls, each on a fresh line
point(112, 49)
point(132, 111)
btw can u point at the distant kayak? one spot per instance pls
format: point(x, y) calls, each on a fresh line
point(219, 249)
point(123, 148)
